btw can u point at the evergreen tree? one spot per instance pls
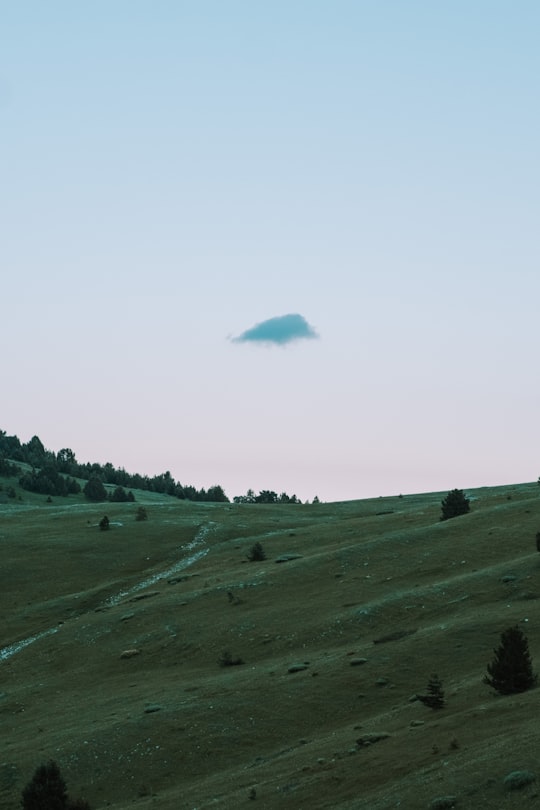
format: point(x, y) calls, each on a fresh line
point(435, 694)
point(104, 523)
point(455, 503)
point(256, 553)
point(94, 489)
point(511, 669)
point(46, 790)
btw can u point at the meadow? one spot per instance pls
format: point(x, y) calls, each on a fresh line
point(113, 642)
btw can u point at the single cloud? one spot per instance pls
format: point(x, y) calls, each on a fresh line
point(280, 331)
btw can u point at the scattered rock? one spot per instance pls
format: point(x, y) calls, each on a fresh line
point(395, 636)
point(152, 707)
point(516, 780)
point(126, 616)
point(357, 662)
point(417, 723)
point(509, 578)
point(382, 682)
point(130, 653)
point(297, 667)
point(286, 557)
point(443, 803)
point(140, 596)
point(369, 739)
point(182, 578)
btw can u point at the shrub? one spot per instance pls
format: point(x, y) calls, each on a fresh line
point(455, 504)
point(256, 553)
point(511, 669)
point(538, 541)
point(227, 660)
point(104, 523)
point(141, 513)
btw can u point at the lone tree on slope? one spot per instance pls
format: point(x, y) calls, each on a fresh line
point(511, 669)
point(46, 790)
point(456, 503)
point(435, 693)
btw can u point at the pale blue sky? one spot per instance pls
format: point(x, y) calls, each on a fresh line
point(174, 173)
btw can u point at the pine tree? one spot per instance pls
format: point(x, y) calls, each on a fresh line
point(455, 503)
point(435, 696)
point(256, 553)
point(511, 669)
point(46, 790)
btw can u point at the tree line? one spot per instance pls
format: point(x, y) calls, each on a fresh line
point(55, 473)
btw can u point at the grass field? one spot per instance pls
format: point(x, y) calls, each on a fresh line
point(122, 685)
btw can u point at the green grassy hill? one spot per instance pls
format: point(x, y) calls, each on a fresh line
point(123, 687)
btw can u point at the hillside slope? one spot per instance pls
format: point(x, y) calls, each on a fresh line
point(382, 580)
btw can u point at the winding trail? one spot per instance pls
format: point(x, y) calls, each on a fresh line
point(184, 562)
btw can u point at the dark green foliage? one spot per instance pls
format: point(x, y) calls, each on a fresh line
point(227, 660)
point(455, 504)
point(119, 495)
point(46, 790)
point(435, 693)
point(538, 541)
point(141, 514)
point(104, 524)
point(94, 490)
point(265, 496)
point(48, 481)
point(215, 494)
point(7, 468)
point(256, 553)
point(77, 804)
point(511, 669)
point(65, 463)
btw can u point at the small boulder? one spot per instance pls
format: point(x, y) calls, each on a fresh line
point(286, 557)
point(297, 667)
point(371, 738)
point(443, 803)
point(130, 653)
point(516, 780)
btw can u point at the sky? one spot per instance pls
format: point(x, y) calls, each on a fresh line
point(288, 246)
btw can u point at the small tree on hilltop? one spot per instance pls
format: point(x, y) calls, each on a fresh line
point(435, 696)
point(46, 790)
point(455, 503)
point(511, 669)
